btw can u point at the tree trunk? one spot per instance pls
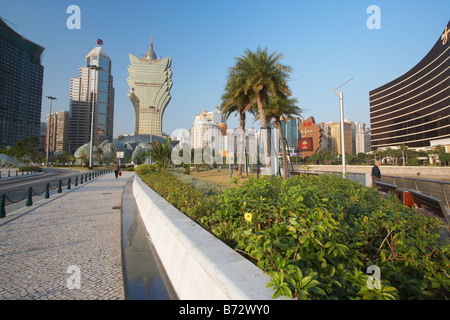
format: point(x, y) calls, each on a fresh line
point(265, 135)
point(283, 150)
point(242, 125)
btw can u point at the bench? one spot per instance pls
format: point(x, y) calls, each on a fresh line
point(429, 206)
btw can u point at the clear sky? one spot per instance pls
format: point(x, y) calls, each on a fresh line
point(325, 42)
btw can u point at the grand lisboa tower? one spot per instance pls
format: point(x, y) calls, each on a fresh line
point(149, 81)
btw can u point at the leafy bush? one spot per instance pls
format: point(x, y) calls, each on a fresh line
point(145, 169)
point(317, 236)
point(30, 169)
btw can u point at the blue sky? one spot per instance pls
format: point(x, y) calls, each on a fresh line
point(325, 42)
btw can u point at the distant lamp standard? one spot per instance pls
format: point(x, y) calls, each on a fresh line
point(341, 107)
point(96, 68)
point(154, 110)
point(49, 127)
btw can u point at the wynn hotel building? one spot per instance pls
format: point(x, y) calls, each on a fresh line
point(414, 109)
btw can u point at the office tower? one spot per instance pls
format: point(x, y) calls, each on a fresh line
point(414, 109)
point(92, 87)
point(21, 78)
point(58, 131)
point(335, 135)
point(290, 129)
point(149, 81)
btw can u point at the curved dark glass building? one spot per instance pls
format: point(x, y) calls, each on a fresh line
point(414, 108)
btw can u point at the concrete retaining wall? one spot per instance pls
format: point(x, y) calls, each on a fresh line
point(200, 266)
point(385, 170)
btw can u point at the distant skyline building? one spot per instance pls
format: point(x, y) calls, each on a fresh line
point(335, 138)
point(414, 109)
point(58, 132)
point(362, 137)
point(92, 87)
point(21, 79)
point(207, 127)
point(290, 130)
point(149, 81)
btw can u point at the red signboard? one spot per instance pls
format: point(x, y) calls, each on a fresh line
point(305, 144)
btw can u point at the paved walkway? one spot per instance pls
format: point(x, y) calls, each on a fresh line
point(67, 247)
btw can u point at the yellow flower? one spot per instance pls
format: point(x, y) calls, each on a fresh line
point(248, 216)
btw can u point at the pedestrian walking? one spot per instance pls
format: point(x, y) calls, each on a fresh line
point(376, 173)
point(116, 169)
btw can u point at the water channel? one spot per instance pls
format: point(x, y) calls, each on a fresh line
point(143, 274)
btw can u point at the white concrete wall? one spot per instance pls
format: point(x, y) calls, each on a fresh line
point(200, 266)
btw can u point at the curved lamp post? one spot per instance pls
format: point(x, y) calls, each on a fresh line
point(341, 107)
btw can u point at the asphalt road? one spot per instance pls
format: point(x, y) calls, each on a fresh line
point(16, 189)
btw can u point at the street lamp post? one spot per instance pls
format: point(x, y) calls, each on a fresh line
point(341, 108)
point(49, 127)
point(154, 110)
point(91, 143)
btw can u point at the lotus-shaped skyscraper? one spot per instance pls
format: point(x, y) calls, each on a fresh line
point(149, 81)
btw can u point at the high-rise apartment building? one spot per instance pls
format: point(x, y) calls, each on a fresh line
point(150, 81)
point(21, 78)
point(58, 132)
point(362, 138)
point(207, 128)
point(92, 88)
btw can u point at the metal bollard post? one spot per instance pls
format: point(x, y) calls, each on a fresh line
point(60, 186)
point(76, 181)
point(68, 184)
point(81, 180)
point(9, 173)
point(29, 197)
point(2, 206)
point(47, 191)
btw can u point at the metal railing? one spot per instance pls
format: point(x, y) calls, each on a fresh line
point(436, 189)
point(71, 181)
point(432, 188)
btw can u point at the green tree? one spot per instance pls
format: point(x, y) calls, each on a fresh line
point(258, 74)
point(235, 101)
point(160, 152)
point(98, 153)
point(26, 150)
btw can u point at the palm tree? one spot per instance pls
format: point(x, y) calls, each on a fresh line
point(404, 150)
point(98, 153)
point(235, 101)
point(160, 152)
point(275, 109)
point(259, 74)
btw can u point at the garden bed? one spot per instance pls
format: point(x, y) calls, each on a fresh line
point(317, 237)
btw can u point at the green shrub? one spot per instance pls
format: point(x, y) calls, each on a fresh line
point(30, 169)
point(317, 236)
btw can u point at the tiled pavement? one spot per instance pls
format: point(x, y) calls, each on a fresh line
point(67, 247)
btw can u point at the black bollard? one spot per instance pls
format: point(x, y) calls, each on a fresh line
point(76, 181)
point(47, 191)
point(29, 197)
point(81, 180)
point(2, 206)
point(68, 184)
point(60, 186)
